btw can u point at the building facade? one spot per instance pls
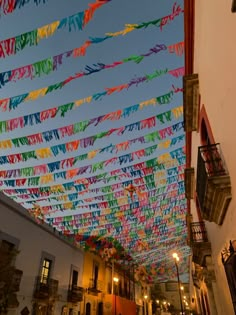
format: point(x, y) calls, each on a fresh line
point(42, 273)
point(210, 176)
point(46, 266)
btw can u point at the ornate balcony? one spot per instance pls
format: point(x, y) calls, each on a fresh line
point(95, 286)
point(75, 294)
point(46, 289)
point(199, 242)
point(213, 184)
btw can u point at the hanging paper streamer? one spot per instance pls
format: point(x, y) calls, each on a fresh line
point(9, 6)
point(75, 22)
point(143, 194)
point(66, 163)
point(60, 133)
point(129, 171)
point(111, 205)
point(47, 66)
point(37, 194)
point(13, 102)
point(38, 118)
point(167, 160)
point(43, 153)
point(50, 177)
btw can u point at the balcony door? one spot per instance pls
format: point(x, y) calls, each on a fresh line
point(88, 309)
point(95, 275)
point(45, 273)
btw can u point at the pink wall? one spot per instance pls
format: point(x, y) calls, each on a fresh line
point(215, 62)
point(123, 306)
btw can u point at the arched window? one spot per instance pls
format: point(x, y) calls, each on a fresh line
point(206, 135)
point(88, 309)
point(205, 140)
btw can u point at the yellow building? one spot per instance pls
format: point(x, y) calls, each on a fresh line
point(108, 288)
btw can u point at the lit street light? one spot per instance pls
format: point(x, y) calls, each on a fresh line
point(145, 304)
point(176, 259)
point(116, 280)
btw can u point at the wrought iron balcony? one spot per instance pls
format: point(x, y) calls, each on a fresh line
point(95, 286)
point(46, 289)
point(75, 294)
point(213, 184)
point(199, 243)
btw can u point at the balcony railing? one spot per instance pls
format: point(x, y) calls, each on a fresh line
point(213, 183)
point(199, 242)
point(96, 285)
point(45, 289)
point(198, 232)
point(75, 294)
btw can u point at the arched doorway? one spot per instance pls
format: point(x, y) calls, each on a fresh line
point(88, 309)
point(100, 308)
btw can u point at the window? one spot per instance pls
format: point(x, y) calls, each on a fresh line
point(233, 9)
point(95, 274)
point(45, 273)
point(7, 246)
point(206, 133)
point(75, 275)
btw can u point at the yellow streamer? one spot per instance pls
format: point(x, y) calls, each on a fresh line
point(45, 179)
point(83, 101)
point(57, 188)
point(164, 157)
point(164, 144)
point(122, 201)
point(68, 205)
point(92, 154)
point(178, 111)
point(43, 153)
point(128, 28)
point(152, 101)
point(163, 181)
point(5, 144)
point(36, 94)
point(47, 30)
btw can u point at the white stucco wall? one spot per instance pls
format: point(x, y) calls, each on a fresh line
point(33, 241)
point(215, 62)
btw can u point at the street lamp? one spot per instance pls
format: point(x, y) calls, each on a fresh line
point(116, 280)
point(176, 259)
point(145, 304)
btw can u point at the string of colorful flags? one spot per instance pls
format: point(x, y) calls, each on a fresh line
point(75, 22)
point(141, 192)
point(116, 203)
point(12, 46)
point(105, 192)
point(71, 162)
point(60, 133)
point(15, 101)
point(177, 154)
point(62, 110)
point(9, 6)
point(71, 146)
point(82, 185)
point(51, 64)
point(107, 212)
